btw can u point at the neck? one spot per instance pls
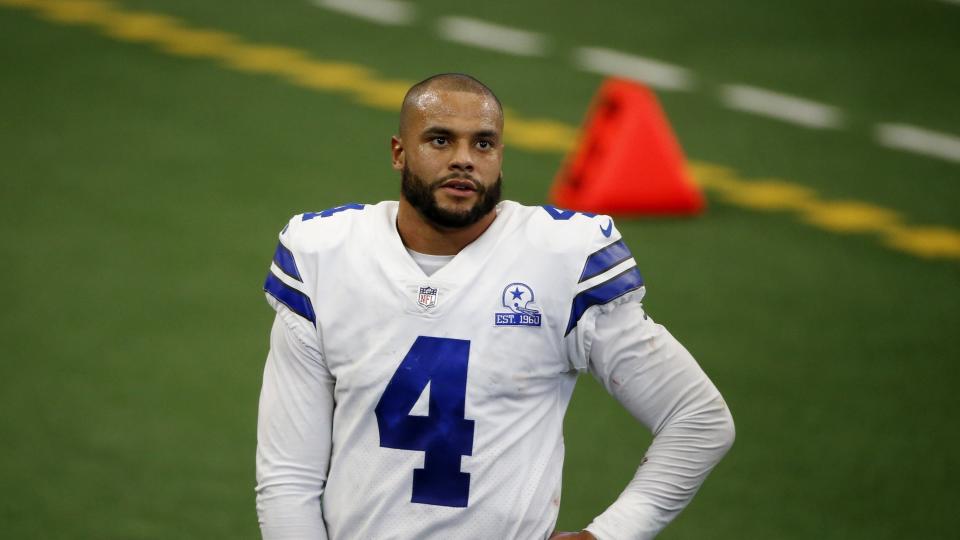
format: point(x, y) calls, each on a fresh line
point(423, 236)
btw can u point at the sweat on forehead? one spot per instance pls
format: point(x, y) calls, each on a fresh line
point(424, 92)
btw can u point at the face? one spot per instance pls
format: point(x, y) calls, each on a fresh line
point(450, 155)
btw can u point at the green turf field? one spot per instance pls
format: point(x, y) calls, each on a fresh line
point(142, 188)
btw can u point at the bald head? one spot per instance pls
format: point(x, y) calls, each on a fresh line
point(426, 93)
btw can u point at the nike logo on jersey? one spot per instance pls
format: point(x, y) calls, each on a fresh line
point(608, 230)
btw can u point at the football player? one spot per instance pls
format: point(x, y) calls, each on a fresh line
point(424, 352)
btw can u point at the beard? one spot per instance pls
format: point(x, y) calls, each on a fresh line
point(422, 196)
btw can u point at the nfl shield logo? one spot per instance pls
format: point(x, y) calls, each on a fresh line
point(427, 297)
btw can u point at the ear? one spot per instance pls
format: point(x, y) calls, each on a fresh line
point(398, 156)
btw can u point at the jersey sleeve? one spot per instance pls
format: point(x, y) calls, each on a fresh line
point(658, 381)
point(607, 278)
point(286, 284)
point(294, 425)
point(654, 378)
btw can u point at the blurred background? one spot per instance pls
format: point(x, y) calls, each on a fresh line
point(150, 152)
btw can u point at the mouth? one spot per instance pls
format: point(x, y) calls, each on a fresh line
point(460, 185)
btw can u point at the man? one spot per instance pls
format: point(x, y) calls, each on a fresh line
point(424, 353)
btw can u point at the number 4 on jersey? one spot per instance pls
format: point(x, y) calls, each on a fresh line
point(445, 434)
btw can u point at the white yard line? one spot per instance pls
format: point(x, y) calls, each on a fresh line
point(919, 140)
point(784, 107)
point(392, 12)
point(485, 35)
point(614, 63)
point(655, 73)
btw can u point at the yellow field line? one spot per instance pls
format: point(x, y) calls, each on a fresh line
point(363, 85)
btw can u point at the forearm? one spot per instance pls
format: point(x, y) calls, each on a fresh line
point(659, 382)
point(291, 516)
point(673, 469)
point(293, 438)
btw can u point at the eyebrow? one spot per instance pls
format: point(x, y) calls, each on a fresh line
point(436, 130)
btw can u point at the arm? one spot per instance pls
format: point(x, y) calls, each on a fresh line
point(293, 432)
point(659, 382)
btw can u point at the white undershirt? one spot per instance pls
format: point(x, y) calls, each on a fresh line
point(429, 263)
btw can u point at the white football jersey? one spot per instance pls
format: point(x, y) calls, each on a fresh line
point(449, 390)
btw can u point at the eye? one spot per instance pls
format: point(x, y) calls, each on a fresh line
point(440, 141)
point(484, 145)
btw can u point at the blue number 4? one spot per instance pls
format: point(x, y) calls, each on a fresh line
point(445, 434)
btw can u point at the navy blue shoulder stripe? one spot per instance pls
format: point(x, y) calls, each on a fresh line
point(615, 287)
point(290, 297)
point(284, 260)
point(604, 259)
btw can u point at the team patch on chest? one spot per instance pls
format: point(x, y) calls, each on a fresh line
point(521, 309)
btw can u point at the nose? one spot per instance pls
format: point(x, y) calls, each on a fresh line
point(462, 159)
